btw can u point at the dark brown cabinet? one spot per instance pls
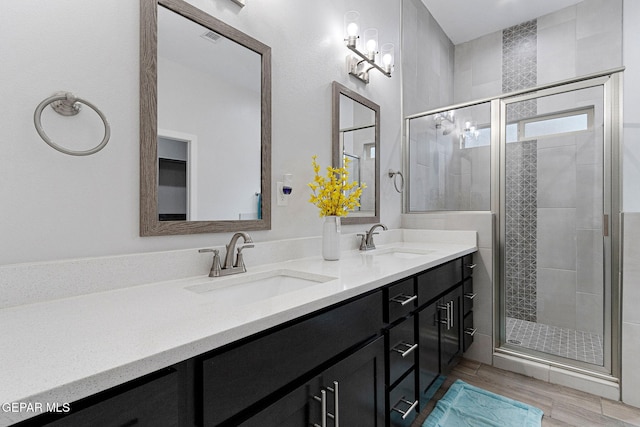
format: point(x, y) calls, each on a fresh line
point(363, 362)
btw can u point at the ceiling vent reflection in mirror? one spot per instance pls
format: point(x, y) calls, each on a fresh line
point(211, 36)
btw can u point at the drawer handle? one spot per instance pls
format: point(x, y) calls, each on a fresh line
point(446, 320)
point(403, 299)
point(471, 331)
point(406, 413)
point(323, 401)
point(336, 404)
point(472, 266)
point(408, 349)
point(470, 295)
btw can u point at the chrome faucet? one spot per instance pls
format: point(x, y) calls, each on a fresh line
point(229, 266)
point(366, 243)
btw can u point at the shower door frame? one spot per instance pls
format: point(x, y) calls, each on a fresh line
point(611, 82)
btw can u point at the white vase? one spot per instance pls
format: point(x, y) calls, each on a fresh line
point(331, 238)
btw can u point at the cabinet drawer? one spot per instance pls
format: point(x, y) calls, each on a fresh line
point(437, 280)
point(403, 405)
point(401, 300)
point(467, 296)
point(154, 403)
point(467, 265)
point(403, 348)
point(243, 375)
point(468, 332)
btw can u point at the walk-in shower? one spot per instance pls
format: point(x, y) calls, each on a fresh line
point(544, 162)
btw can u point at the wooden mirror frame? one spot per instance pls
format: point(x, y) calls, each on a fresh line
point(150, 225)
point(338, 90)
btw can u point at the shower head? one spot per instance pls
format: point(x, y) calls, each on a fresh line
point(448, 130)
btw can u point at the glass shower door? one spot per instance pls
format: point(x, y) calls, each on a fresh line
point(555, 291)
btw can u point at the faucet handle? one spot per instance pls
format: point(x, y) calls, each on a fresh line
point(240, 258)
point(215, 267)
point(363, 241)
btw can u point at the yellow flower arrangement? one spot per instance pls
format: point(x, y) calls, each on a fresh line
point(333, 194)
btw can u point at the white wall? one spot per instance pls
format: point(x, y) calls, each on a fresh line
point(228, 135)
point(631, 205)
point(56, 206)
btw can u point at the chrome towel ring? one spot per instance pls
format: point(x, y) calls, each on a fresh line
point(394, 174)
point(66, 104)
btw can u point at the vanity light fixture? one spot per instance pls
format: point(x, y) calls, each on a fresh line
point(367, 56)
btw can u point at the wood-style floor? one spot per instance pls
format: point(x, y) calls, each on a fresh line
point(562, 406)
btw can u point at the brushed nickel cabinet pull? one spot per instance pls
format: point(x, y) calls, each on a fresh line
point(323, 401)
point(405, 414)
point(408, 348)
point(471, 331)
point(403, 299)
point(336, 404)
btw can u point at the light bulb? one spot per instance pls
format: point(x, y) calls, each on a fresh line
point(386, 59)
point(371, 42)
point(352, 29)
point(371, 45)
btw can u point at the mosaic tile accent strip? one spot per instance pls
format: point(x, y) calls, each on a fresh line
point(519, 71)
point(575, 345)
point(520, 56)
point(521, 211)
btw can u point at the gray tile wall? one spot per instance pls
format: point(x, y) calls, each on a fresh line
point(427, 60)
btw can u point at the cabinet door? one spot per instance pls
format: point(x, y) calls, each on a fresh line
point(353, 393)
point(355, 388)
point(428, 346)
point(238, 378)
point(450, 324)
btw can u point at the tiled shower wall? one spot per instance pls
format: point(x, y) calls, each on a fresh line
point(519, 71)
point(575, 41)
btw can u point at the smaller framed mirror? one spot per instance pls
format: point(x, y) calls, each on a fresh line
point(356, 136)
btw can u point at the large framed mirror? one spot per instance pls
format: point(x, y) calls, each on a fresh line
point(205, 123)
point(356, 136)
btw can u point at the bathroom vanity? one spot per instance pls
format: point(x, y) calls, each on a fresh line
point(361, 349)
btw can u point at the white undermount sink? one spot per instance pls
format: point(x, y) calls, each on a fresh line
point(401, 253)
point(246, 288)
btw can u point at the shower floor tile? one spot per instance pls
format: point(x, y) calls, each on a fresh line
point(576, 345)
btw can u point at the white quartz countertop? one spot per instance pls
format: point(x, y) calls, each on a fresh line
point(62, 350)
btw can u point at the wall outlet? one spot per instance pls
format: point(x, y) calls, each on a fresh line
point(282, 199)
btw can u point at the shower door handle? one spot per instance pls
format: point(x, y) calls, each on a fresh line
point(605, 225)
